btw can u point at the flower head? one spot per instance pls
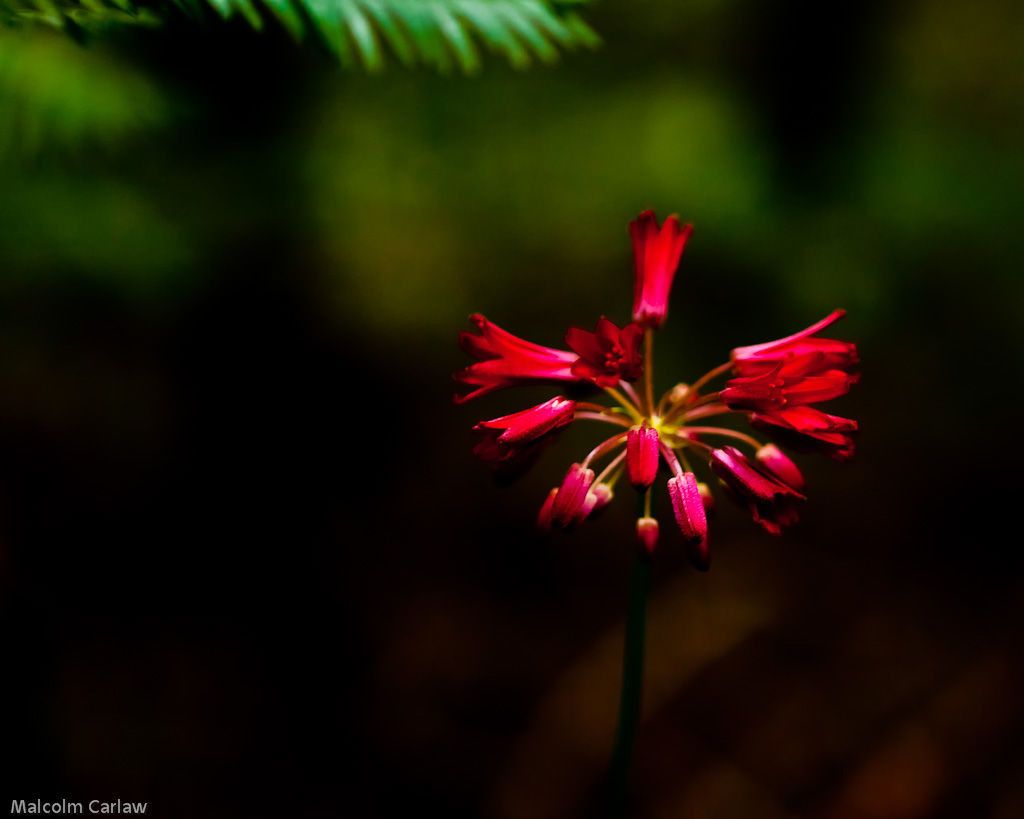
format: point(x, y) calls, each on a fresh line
point(774, 386)
point(656, 252)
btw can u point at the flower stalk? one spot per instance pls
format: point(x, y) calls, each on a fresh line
point(630, 697)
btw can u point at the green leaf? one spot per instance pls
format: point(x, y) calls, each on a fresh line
point(439, 33)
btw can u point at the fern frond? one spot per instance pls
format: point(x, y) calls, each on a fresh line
point(54, 94)
point(443, 34)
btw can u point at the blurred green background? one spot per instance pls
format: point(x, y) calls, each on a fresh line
point(247, 563)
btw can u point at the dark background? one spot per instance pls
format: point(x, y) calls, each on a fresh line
point(248, 566)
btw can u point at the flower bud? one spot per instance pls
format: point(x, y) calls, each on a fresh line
point(778, 464)
point(603, 495)
point(678, 393)
point(642, 456)
point(688, 507)
point(706, 495)
point(647, 534)
point(570, 503)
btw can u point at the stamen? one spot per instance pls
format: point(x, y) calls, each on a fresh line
point(625, 403)
point(728, 433)
point(699, 444)
point(705, 411)
point(670, 458)
point(628, 389)
point(614, 479)
point(587, 405)
point(608, 469)
point(687, 405)
point(605, 417)
point(710, 375)
point(603, 448)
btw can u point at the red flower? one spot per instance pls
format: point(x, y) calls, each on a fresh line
point(688, 507)
point(642, 456)
point(504, 437)
point(810, 428)
point(787, 384)
point(607, 354)
point(801, 351)
point(505, 360)
point(772, 385)
point(771, 502)
point(656, 253)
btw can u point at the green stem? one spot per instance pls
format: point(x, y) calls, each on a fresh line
point(649, 369)
point(632, 683)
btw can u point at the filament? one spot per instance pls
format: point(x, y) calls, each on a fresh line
point(728, 433)
point(604, 472)
point(603, 448)
point(603, 416)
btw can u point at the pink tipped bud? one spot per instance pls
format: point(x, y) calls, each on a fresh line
point(679, 392)
point(706, 495)
point(688, 507)
point(778, 464)
point(603, 495)
point(642, 456)
point(571, 503)
point(544, 516)
point(647, 534)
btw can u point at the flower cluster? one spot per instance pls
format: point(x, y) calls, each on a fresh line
point(774, 385)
